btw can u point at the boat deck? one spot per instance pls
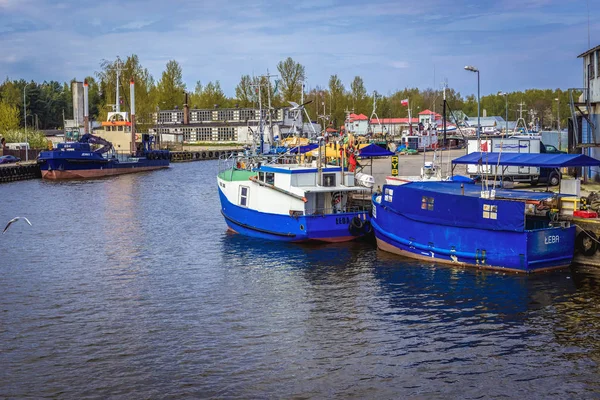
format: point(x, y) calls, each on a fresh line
point(474, 190)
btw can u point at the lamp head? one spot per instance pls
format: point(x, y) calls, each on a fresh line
point(471, 68)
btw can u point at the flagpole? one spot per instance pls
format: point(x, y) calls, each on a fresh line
point(409, 119)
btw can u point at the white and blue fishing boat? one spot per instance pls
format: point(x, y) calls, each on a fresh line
point(451, 222)
point(287, 200)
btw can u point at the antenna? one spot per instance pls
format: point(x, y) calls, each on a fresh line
point(117, 101)
point(374, 113)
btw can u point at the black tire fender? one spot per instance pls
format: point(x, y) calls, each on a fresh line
point(586, 243)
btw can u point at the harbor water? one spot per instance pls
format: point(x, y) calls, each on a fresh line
point(131, 287)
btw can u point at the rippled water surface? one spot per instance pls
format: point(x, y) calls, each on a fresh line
point(130, 287)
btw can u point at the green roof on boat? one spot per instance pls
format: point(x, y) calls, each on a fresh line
point(236, 175)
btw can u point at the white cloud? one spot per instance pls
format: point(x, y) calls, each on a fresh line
point(399, 64)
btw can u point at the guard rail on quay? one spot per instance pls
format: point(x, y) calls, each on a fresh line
point(200, 155)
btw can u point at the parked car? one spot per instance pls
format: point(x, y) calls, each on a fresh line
point(548, 148)
point(9, 159)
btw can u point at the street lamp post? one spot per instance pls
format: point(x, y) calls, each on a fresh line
point(557, 114)
point(558, 121)
point(25, 123)
point(473, 69)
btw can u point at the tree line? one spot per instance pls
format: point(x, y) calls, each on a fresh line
point(47, 102)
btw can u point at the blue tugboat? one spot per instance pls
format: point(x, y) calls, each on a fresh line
point(451, 222)
point(77, 160)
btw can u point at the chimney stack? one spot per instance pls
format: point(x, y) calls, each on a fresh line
point(86, 115)
point(132, 96)
point(186, 111)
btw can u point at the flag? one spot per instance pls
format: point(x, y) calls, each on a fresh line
point(404, 102)
point(484, 146)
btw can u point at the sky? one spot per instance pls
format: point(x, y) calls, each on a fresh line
point(516, 44)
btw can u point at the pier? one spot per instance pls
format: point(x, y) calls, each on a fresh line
point(19, 172)
point(191, 153)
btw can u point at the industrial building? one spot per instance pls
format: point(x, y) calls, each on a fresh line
point(224, 125)
point(584, 127)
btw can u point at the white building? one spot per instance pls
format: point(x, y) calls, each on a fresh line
point(589, 104)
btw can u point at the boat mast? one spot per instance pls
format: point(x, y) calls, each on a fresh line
point(260, 119)
point(444, 122)
point(118, 67)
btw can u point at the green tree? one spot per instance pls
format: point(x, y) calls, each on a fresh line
point(209, 96)
point(9, 117)
point(359, 98)
point(171, 87)
point(337, 101)
point(292, 75)
point(12, 92)
point(244, 93)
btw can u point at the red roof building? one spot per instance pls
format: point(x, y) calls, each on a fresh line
point(359, 117)
point(429, 112)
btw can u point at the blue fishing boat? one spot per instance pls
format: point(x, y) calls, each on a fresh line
point(287, 200)
point(457, 223)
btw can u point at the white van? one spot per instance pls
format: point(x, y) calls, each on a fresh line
point(17, 146)
point(521, 144)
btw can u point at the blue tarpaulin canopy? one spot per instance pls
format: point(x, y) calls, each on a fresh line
point(529, 159)
point(304, 149)
point(373, 150)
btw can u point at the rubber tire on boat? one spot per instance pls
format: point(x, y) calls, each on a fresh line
point(581, 243)
point(210, 154)
point(356, 224)
point(367, 228)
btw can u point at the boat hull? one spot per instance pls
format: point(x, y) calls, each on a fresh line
point(53, 169)
point(321, 228)
point(526, 251)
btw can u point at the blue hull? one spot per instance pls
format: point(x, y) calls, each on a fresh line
point(326, 228)
point(66, 166)
point(525, 251)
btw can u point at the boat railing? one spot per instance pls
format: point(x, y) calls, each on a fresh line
point(337, 210)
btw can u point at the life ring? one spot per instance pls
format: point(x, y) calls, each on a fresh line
point(586, 243)
point(336, 198)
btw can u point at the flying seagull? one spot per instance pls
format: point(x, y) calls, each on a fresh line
point(14, 220)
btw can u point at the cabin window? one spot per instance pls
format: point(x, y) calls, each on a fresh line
point(244, 196)
point(261, 176)
point(490, 211)
point(329, 180)
point(270, 178)
point(427, 203)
